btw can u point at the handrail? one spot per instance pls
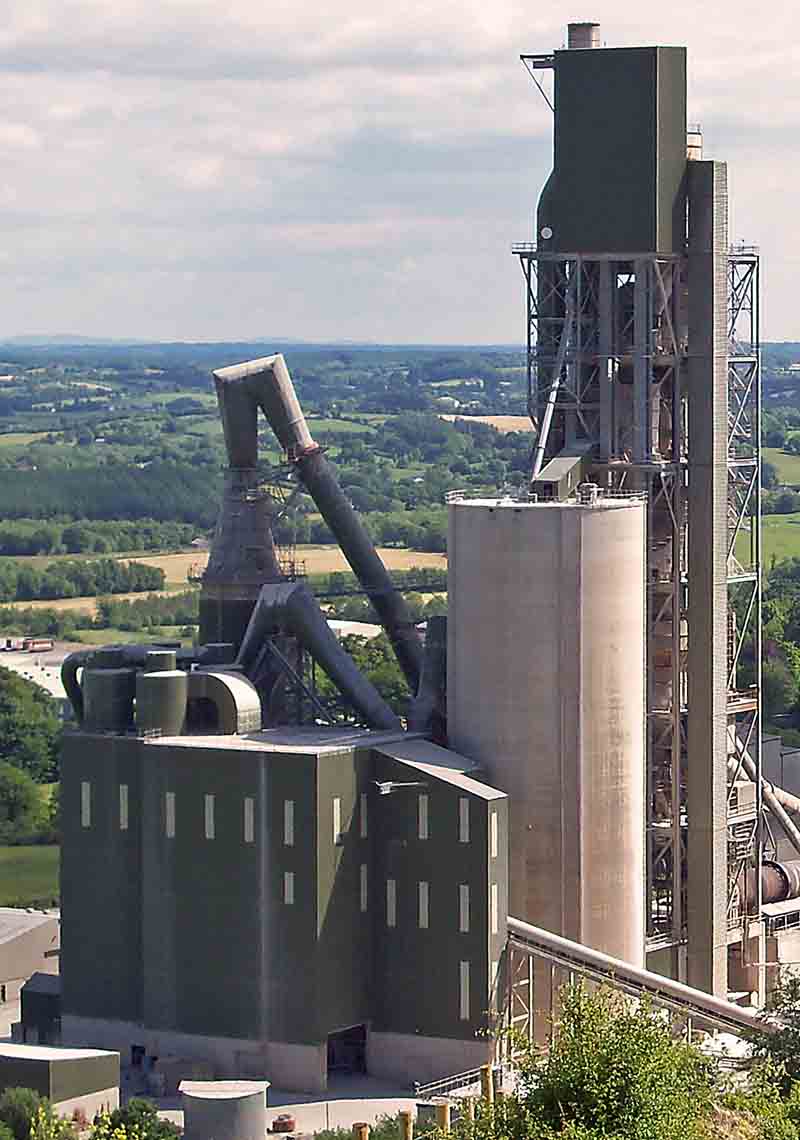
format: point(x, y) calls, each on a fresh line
point(447, 1084)
point(589, 963)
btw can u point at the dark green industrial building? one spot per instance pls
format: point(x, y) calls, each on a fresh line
point(282, 902)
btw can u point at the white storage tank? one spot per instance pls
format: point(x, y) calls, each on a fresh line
point(546, 688)
point(224, 1110)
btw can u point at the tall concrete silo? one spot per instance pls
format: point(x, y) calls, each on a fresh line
point(545, 687)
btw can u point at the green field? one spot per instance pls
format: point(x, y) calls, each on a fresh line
point(29, 876)
point(787, 466)
point(780, 537)
point(316, 423)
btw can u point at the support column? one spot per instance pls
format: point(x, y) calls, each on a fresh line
point(707, 875)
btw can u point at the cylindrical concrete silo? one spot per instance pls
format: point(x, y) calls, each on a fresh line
point(546, 666)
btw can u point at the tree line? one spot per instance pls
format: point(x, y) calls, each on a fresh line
point(31, 536)
point(75, 579)
point(163, 491)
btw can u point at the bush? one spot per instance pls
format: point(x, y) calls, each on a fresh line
point(781, 1049)
point(18, 1107)
point(138, 1118)
point(614, 1070)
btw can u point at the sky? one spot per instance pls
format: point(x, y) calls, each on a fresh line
point(197, 170)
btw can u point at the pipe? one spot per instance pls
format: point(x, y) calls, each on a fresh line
point(563, 952)
point(428, 713)
point(266, 383)
point(291, 607)
point(777, 800)
point(780, 882)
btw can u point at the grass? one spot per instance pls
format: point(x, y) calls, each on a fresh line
point(318, 423)
point(29, 876)
point(787, 466)
point(780, 537)
point(113, 636)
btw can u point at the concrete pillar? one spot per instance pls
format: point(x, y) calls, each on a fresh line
point(707, 878)
point(443, 1116)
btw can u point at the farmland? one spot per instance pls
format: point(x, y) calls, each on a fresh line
point(786, 465)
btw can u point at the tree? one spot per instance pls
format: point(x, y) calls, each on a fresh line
point(30, 730)
point(21, 808)
point(778, 688)
point(769, 474)
point(782, 1047)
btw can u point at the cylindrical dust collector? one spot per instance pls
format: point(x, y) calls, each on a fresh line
point(161, 702)
point(546, 664)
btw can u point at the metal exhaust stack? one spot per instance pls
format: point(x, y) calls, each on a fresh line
point(581, 36)
point(266, 384)
point(242, 556)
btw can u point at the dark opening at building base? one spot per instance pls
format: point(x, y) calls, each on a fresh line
point(347, 1051)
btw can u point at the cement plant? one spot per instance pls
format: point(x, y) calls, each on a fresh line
point(293, 886)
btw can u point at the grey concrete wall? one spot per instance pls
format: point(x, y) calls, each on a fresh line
point(409, 1057)
point(24, 955)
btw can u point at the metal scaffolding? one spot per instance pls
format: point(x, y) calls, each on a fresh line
point(607, 353)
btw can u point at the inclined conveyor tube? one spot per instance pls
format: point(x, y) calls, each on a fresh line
point(266, 384)
point(289, 607)
point(621, 975)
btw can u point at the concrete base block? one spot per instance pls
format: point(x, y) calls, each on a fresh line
point(407, 1057)
point(297, 1068)
point(104, 1101)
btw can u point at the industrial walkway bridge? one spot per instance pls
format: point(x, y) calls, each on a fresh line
point(538, 963)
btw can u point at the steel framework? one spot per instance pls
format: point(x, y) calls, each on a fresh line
point(607, 360)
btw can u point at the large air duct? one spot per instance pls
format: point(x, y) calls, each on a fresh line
point(290, 608)
point(266, 384)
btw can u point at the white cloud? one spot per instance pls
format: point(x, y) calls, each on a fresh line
point(190, 169)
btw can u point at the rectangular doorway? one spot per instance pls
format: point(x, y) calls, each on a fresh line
point(347, 1051)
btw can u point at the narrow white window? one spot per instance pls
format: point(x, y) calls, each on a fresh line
point(363, 885)
point(209, 817)
point(463, 990)
point(424, 905)
point(123, 807)
point(169, 814)
point(463, 908)
point(493, 908)
point(86, 804)
point(463, 819)
point(288, 823)
point(362, 814)
point(249, 819)
point(422, 817)
point(493, 834)
point(391, 902)
point(337, 820)
point(288, 888)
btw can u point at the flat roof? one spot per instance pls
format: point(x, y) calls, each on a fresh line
point(304, 739)
point(14, 921)
point(603, 503)
point(440, 764)
point(50, 1053)
point(222, 1090)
